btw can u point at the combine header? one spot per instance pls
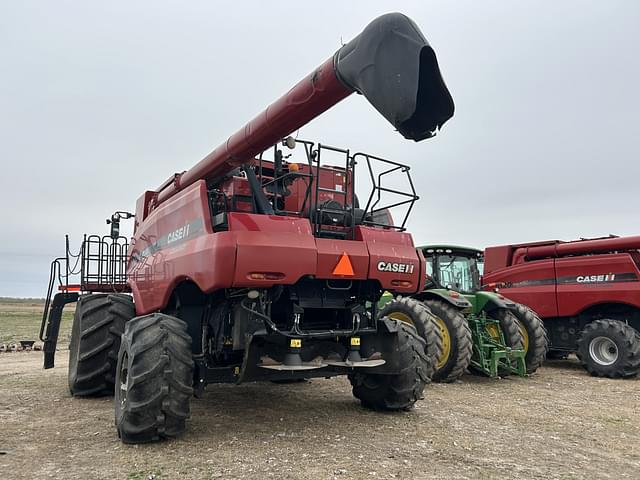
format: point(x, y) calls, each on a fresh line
point(246, 268)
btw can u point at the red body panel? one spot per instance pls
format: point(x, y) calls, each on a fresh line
point(177, 242)
point(573, 297)
point(562, 279)
point(532, 284)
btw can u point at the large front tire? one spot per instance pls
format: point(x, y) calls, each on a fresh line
point(534, 335)
point(610, 348)
point(417, 314)
point(457, 342)
point(95, 340)
point(400, 391)
point(154, 379)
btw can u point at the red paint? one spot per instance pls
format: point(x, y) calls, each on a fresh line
point(562, 279)
point(282, 248)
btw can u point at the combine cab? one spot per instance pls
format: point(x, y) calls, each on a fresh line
point(249, 268)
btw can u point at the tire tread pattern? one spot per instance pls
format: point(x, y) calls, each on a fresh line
point(461, 341)
point(99, 322)
point(160, 379)
point(627, 339)
point(538, 344)
point(401, 391)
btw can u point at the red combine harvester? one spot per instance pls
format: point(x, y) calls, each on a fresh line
point(244, 268)
point(586, 291)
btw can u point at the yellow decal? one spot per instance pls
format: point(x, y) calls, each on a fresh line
point(295, 343)
point(355, 341)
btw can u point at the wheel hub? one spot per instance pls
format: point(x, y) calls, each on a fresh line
point(603, 351)
point(446, 343)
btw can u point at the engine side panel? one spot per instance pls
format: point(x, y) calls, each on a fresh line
point(595, 279)
point(176, 242)
point(533, 284)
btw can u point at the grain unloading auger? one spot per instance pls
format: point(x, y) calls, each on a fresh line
point(243, 268)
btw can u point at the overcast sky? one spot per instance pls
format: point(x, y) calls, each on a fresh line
point(102, 100)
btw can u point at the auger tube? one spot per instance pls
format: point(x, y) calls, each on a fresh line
point(390, 63)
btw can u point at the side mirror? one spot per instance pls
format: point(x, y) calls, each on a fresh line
point(114, 221)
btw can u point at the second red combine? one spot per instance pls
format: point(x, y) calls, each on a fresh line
point(246, 268)
point(586, 291)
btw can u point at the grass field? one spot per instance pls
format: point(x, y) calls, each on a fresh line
point(20, 320)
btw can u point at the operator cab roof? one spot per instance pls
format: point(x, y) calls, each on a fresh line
point(466, 251)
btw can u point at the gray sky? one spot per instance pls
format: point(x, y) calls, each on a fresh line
point(102, 100)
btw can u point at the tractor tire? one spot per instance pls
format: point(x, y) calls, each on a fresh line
point(534, 337)
point(95, 340)
point(154, 379)
point(401, 391)
point(609, 348)
point(418, 314)
point(510, 330)
point(510, 327)
point(456, 342)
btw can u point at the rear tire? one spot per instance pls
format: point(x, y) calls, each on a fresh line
point(154, 379)
point(417, 314)
point(400, 391)
point(534, 335)
point(510, 331)
point(610, 348)
point(457, 343)
point(95, 340)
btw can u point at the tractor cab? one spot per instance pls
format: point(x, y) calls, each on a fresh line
point(453, 268)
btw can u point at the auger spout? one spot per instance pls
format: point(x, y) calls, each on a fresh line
point(390, 63)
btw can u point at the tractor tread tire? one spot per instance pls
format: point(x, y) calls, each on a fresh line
point(510, 331)
point(509, 326)
point(98, 324)
point(423, 322)
point(626, 338)
point(401, 391)
point(461, 341)
point(538, 339)
point(155, 356)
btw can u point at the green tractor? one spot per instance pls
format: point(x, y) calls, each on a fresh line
point(482, 331)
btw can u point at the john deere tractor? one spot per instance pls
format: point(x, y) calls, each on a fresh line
point(481, 330)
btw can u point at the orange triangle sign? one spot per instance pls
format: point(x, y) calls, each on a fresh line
point(344, 266)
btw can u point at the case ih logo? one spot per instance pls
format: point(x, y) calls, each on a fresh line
point(611, 277)
point(395, 267)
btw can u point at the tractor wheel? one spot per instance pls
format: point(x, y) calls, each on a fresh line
point(401, 391)
point(534, 337)
point(154, 379)
point(510, 330)
point(457, 344)
point(417, 314)
point(95, 339)
point(610, 348)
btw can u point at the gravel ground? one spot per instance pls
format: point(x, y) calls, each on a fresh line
point(561, 423)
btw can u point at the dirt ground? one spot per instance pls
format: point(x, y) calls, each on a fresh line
point(561, 423)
